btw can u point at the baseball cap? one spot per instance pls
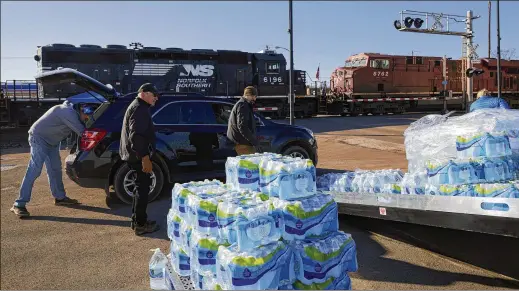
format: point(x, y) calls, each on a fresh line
point(87, 109)
point(149, 87)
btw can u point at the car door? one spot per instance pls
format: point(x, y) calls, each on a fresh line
point(189, 129)
point(222, 112)
point(264, 137)
point(174, 136)
point(225, 149)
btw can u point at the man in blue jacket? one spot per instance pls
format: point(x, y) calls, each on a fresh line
point(486, 101)
point(45, 136)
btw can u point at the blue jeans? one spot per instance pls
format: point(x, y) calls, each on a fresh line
point(42, 153)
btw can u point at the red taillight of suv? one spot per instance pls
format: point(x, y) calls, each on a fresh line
point(90, 138)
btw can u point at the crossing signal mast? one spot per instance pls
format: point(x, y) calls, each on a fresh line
point(440, 23)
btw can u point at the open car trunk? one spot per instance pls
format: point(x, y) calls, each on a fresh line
point(98, 95)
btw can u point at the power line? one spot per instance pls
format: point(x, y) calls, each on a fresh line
point(16, 57)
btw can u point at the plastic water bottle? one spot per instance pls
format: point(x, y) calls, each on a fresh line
point(496, 170)
point(453, 173)
point(376, 182)
point(502, 170)
point(467, 174)
point(497, 145)
point(157, 270)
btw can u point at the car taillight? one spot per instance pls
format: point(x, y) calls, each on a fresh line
point(90, 138)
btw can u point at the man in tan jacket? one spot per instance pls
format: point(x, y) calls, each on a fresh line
point(242, 124)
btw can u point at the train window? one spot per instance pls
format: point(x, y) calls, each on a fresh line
point(273, 68)
point(409, 60)
point(380, 64)
point(419, 60)
point(363, 62)
point(437, 63)
point(491, 74)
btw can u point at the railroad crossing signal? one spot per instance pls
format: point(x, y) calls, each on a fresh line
point(445, 69)
point(441, 26)
point(412, 21)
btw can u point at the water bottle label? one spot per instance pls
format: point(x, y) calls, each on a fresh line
point(318, 268)
point(156, 274)
point(258, 229)
point(302, 181)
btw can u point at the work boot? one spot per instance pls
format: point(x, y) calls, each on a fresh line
point(148, 227)
point(66, 201)
point(133, 224)
point(20, 211)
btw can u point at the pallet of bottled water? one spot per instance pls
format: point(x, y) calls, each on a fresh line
point(467, 164)
point(267, 227)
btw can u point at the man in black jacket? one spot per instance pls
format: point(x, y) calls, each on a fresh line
point(242, 124)
point(137, 147)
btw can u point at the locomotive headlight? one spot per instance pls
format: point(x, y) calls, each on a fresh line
point(474, 72)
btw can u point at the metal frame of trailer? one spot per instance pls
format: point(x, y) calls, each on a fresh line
point(498, 216)
point(178, 282)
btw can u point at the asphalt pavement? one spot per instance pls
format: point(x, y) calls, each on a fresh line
point(91, 246)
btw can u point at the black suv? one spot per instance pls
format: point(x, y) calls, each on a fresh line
point(191, 138)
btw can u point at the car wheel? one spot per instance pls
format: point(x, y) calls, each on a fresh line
point(124, 183)
point(296, 152)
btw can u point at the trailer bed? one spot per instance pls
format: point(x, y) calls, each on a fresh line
point(177, 282)
point(499, 216)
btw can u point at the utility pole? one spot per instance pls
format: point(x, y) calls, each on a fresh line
point(291, 77)
point(469, 56)
point(489, 28)
point(438, 23)
point(498, 53)
point(444, 83)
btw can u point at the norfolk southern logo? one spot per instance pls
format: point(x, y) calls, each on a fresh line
point(186, 70)
point(197, 70)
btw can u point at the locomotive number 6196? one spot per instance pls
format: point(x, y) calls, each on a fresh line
point(272, 80)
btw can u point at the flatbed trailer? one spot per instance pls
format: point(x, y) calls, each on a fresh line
point(175, 281)
point(497, 216)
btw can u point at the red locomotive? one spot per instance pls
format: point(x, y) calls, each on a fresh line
point(378, 83)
